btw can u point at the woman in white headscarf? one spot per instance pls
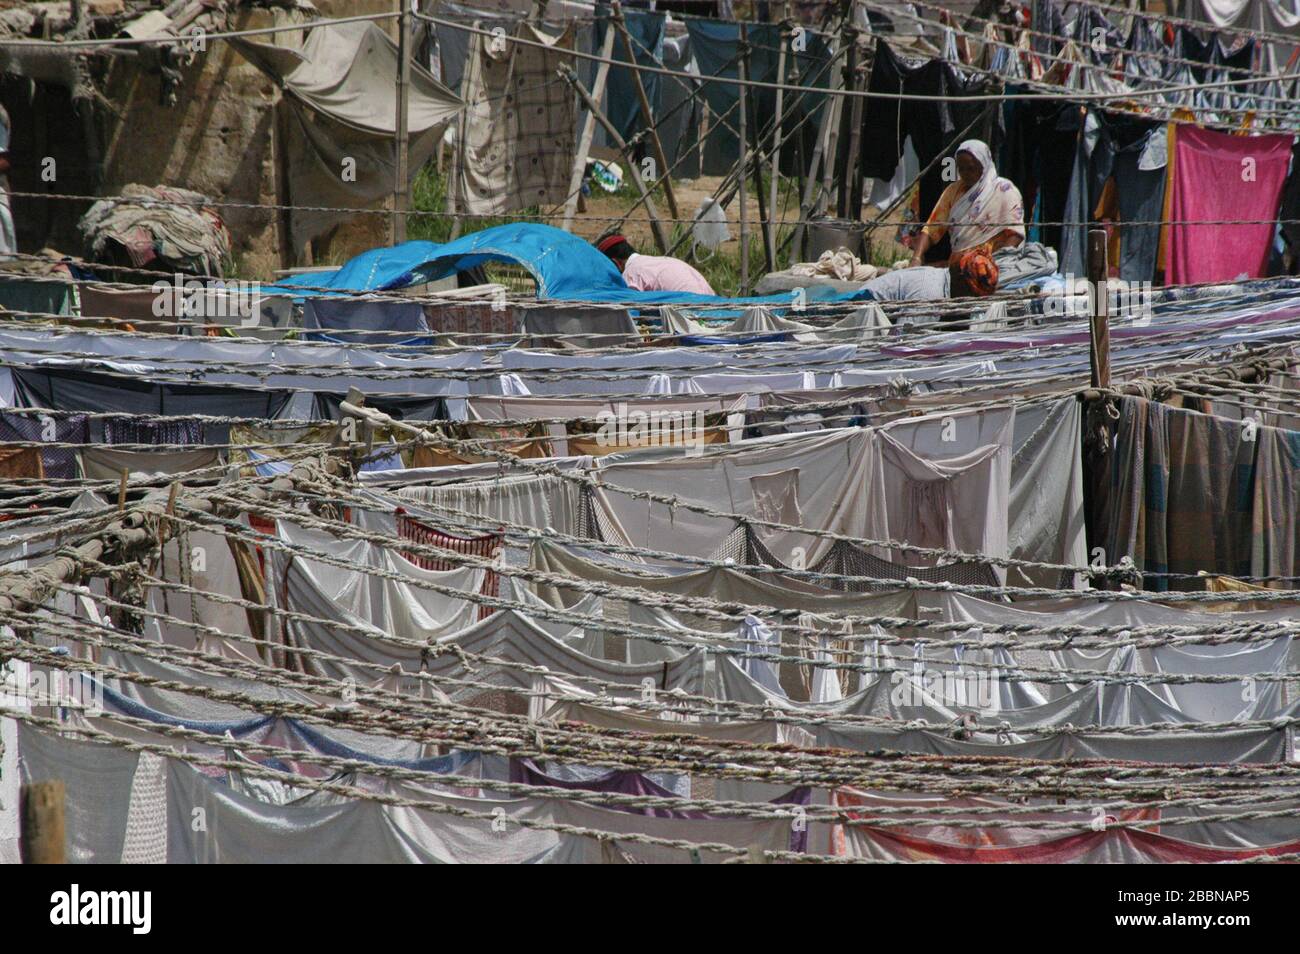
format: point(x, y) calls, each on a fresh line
point(980, 211)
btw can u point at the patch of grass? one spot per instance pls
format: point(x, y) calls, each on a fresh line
point(429, 194)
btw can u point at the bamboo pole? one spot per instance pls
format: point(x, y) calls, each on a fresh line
point(825, 131)
point(655, 142)
point(775, 168)
point(127, 536)
point(588, 132)
point(849, 204)
point(744, 160)
point(283, 190)
point(401, 178)
point(656, 226)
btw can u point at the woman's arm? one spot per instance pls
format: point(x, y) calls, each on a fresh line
point(1007, 238)
point(922, 246)
point(936, 226)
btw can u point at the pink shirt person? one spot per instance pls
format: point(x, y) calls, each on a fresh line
point(661, 273)
point(651, 273)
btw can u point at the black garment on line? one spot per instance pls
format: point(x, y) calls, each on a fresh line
point(1141, 194)
point(75, 389)
point(1289, 214)
point(1039, 158)
point(933, 125)
point(1189, 46)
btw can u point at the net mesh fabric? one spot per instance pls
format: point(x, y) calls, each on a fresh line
point(146, 820)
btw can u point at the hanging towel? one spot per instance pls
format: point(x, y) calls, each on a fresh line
point(1219, 177)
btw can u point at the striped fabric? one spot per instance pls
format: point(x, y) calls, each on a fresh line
point(486, 547)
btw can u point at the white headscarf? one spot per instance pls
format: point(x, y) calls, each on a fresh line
point(982, 211)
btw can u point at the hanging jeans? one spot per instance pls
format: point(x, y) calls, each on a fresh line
point(1141, 199)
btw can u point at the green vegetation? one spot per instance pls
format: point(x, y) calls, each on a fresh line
point(429, 194)
point(721, 267)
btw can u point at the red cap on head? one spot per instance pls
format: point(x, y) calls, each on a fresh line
point(608, 242)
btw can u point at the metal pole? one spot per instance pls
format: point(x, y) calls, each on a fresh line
point(744, 160)
point(401, 183)
point(1099, 324)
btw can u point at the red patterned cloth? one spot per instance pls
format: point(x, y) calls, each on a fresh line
point(978, 268)
point(486, 547)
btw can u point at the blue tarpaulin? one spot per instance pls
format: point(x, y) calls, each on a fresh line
point(563, 265)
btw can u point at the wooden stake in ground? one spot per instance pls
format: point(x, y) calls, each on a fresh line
point(43, 837)
point(663, 175)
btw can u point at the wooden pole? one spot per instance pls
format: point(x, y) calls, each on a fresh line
point(656, 226)
point(744, 160)
point(851, 186)
point(845, 137)
point(795, 77)
point(588, 132)
point(401, 183)
point(43, 835)
point(826, 129)
point(655, 142)
point(775, 170)
point(121, 539)
point(283, 191)
point(764, 220)
point(831, 150)
point(1099, 324)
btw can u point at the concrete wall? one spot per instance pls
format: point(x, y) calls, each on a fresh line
point(218, 140)
point(215, 140)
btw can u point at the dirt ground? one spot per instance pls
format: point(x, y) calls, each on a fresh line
point(690, 193)
point(601, 208)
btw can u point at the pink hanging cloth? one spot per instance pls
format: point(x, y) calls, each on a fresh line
point(1219, 176)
